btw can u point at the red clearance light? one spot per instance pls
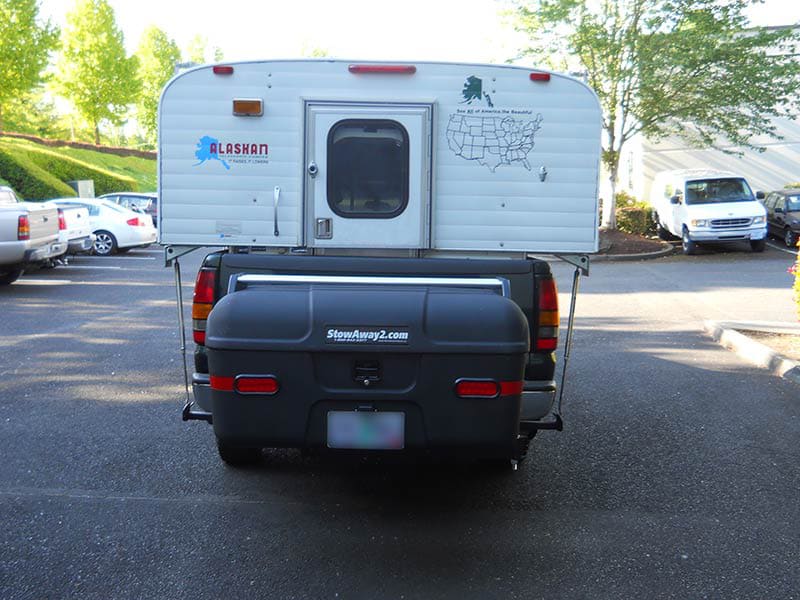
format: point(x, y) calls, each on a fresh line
point(471, 388)
point(23, 228)
point(389, 69)
point(540, 76)
point(482, 388)
point(222, 384)
point(263, 385)
point(62, 222)
point(223, 70)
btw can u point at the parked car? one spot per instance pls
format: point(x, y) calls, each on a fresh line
point(117, 229)
point(783, 215)
point(28, 235)
point(146, 203)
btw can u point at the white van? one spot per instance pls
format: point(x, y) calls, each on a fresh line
point(707, 206)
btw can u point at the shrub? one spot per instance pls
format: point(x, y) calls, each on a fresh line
point(41, 173)
point(792, 186)
point(30, 180)
point(634, 216)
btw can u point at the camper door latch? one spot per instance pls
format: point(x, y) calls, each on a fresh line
point(313, 169)
point(542, 173)
point(324, 229)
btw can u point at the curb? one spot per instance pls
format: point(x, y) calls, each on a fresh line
point(666, 249)
point(753, 351)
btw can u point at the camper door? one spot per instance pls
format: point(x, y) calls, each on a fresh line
point(368, 171)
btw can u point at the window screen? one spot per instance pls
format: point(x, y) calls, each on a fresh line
point(368, 168)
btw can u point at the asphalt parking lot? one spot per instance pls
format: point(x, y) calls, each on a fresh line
point(677, 475)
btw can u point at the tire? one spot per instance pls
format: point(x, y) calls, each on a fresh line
point(237, 456)
point(689, 247)
point(9, 276)
point(789, 238)
point(105, 244)
point(758, 245)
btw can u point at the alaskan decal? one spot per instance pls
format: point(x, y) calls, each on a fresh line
point(228, 153)
point(488, 135)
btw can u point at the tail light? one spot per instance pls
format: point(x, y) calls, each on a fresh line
point(134, 222)
point(23, 228)
point(487, 388)
point(62, 222)
point(202, 302)
point(547, 330)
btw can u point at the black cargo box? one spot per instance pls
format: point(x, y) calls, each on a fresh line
point(367, 367)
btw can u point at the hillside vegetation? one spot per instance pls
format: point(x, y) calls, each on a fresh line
point(39, 172)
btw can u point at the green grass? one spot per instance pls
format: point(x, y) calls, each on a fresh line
point(38, 172)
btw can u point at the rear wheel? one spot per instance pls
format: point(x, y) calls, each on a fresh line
point(237, 456)
point(789, 238)
point(758, 245)
point(9, 276)
point(689, 247)
point(105, 244)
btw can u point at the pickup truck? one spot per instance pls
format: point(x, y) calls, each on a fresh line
point(378, 286)
point(28, 235)
point(74, 228)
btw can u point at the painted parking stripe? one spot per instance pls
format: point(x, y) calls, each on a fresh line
point(782, 248)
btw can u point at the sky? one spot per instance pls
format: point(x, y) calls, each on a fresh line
point(447, 30)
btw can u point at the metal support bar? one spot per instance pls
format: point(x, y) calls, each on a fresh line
point(182, 333)
point(172, 253)
point(576, 280)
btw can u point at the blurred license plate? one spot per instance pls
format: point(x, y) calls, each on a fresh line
point(363, 430)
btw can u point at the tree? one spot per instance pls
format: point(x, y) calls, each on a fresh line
point(196, 50)
point(93, 70)
point(25, 46)
point(690, 68)
point(158, 55)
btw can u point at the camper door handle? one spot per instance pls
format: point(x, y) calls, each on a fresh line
point(277, 197)
point(313, 169)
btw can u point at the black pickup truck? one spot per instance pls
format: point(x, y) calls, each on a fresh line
point(374, 355)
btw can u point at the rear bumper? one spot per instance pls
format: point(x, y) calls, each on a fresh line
point(80, 245)
point(48, 251)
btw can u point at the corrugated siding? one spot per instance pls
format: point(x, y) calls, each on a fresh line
point(474, 207)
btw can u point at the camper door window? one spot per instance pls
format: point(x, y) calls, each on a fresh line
point(707, 191)
point(368, 168)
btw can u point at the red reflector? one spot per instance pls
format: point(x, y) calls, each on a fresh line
point(223, 384)
point(546, 343)
point(391, 69)
point(223, 70)
point(510, 388)
point(540, 76)
point(199, 337)
point(466, 388)
point(23, 227)
point(134, 221)
point(204, 286)
point(255, 385)
point(62, 222)
point(548, 295)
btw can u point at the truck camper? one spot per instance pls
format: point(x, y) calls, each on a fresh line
point(377, 284)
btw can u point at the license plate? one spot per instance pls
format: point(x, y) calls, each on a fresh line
point(366, 430)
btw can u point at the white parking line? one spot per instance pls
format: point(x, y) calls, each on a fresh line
point(782, 248)
point(93, 267)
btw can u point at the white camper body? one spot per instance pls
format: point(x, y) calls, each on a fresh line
point(428, 157)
